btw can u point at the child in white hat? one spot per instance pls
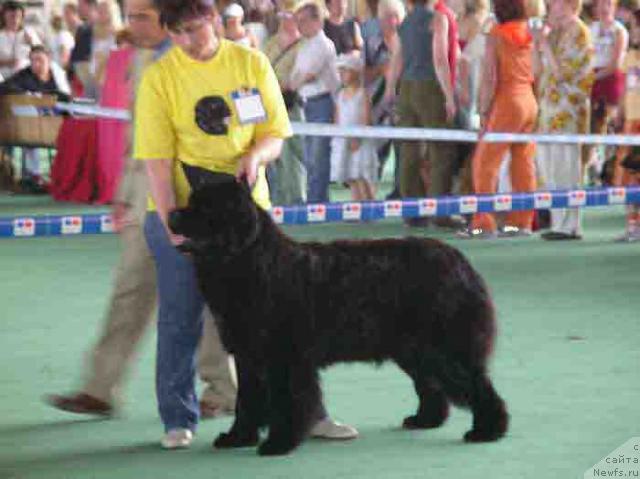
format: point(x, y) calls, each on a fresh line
point(233, 18)
point(354, 162)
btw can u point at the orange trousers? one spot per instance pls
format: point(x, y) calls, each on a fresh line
point(515, 112)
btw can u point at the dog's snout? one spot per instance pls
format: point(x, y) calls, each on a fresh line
point(175, 221)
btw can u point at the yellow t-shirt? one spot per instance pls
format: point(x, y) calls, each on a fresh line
point(165, 113)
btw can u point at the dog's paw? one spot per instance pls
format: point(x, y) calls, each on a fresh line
point(417, 422)
point(275, 448)
point(231, 439)
point(477, 435)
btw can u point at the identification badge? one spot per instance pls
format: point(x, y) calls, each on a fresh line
point(249, 106)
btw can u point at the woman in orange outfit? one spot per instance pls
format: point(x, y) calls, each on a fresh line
point(507, 104)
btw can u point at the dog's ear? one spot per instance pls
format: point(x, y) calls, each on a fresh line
point(199, 177)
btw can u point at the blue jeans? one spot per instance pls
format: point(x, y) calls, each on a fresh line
point(317, 150)
point(180, 306)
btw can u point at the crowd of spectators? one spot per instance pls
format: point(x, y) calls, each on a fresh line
point(517, 65)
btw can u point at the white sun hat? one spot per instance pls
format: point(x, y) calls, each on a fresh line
point(233, 10)
point(350, 61)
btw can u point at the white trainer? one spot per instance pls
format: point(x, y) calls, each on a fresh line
point(327, 428)
point(630, 236)
point(177, 439)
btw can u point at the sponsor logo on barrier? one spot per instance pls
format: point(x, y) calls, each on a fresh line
point(503, 203)
point(352, 211)
point(106, 224)
point(577, 198)
point(468, 204)
point(316, 213)
point(428, 207)
point(392, 209)
point(542, 201)
point(277, 214)
point(71, 225)
point(617, 196)
point(24, 227)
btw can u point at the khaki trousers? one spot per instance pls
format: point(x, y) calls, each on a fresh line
point(422, 104)
point(129, 314)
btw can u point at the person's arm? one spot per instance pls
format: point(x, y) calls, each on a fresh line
point(619, 52)
point(263, 152)
point(155, 144)
point(160, 174)
point(66, 47)
point(269, 135)
point(464, 73)
point(365, 119)
point(394, 72)
point(358, 41)
point(65, 56)
point(441, 61)
point(128, 194)
point(488, 79)
point(31, 38)
point(312, 65)
point(253, 41)
point(366, 111)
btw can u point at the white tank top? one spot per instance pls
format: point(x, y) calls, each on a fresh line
point(604, 42)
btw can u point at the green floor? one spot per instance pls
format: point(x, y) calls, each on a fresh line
point(567, 364)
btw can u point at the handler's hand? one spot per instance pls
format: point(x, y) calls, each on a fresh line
point(176, 240)
point(121, 216)
point(248, 168)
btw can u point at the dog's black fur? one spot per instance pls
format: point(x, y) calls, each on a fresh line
point(286, 309)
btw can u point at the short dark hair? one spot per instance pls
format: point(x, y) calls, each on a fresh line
point(39, 49)
point(174, 12)
point(508, 10)
point(10, 5)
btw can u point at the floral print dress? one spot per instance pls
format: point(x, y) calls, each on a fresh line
point(565, 108)
point(564, 97)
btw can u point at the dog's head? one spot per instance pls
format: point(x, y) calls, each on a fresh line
point(221, 218)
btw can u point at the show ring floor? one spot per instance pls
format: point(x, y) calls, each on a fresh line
point(566, 363)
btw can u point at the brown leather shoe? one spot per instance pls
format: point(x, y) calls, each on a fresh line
point(80, 403)
point(209, 410)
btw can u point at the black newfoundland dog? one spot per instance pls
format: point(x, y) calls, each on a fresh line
point(286, 309)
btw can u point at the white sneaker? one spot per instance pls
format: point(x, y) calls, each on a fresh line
point(327, 428)
point(630, 236)
point(177, 439)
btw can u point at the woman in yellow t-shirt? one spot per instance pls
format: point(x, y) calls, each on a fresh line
point(187, 113)
point(191, 112)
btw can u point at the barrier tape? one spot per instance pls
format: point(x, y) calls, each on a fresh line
point(34, 226)
point(390, 133)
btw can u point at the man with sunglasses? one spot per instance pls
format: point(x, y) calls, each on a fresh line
point(207, 105)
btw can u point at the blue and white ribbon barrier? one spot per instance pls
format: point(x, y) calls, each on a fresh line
point(35, 226)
